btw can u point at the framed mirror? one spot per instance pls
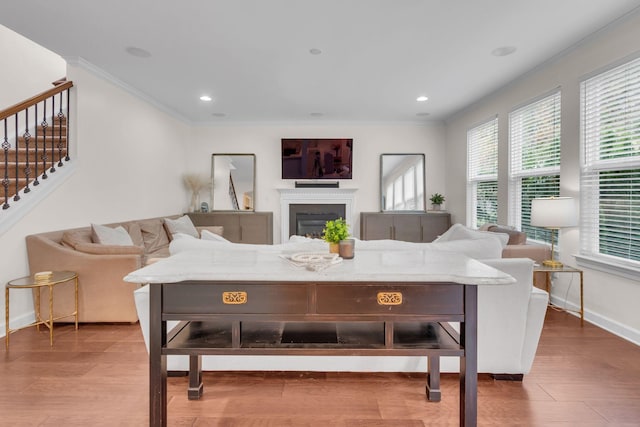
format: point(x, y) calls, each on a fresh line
point(234, 178)
point(402, 182)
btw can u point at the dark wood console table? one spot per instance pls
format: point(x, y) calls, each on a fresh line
point(315, 313)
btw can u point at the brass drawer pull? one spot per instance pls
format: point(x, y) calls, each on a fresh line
point(236, 297)
point(389, 298)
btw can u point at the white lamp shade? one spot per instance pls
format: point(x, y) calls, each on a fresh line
point(554, 212)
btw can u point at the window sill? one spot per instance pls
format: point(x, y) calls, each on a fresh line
point(608, 266)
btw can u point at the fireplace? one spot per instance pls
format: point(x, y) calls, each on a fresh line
point(321, 198)
point(309, 219)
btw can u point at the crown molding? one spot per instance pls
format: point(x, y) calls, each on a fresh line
point(80, 62)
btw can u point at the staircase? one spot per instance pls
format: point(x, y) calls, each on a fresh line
point(35, 158)
point(33, 136)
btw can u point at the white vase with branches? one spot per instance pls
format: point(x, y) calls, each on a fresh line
point(196, 183)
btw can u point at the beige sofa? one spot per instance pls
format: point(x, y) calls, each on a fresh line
point(103, 296)
point(517, 247)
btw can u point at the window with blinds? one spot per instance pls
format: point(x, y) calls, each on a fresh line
point(482, 173)
point(610, 173)
point(534, 161)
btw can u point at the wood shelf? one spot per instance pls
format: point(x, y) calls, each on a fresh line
point(364, 338)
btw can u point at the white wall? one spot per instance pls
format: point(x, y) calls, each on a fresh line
point(33, 66)
point(610, 301)
point(30, 70)
point(369, 141)
point(128, 159)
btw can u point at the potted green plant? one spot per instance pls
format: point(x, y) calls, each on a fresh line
point(436, 201)
point(334, 231)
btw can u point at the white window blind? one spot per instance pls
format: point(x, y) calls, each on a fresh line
point(482, 173)
point(610, 174)
point(534, 161)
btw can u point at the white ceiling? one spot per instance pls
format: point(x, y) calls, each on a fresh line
point(252, 56)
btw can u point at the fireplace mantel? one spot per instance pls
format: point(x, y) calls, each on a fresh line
point(314, 196)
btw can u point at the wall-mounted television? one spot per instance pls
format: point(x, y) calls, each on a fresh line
point(317, 158)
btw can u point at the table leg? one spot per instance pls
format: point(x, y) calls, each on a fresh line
point(76, 293)
point(51, 315)
point(6, 318)
point(157, 361)
point(581, 300)
point(37, 310)
point(194, 392)
point(469, 362)
point(547, 281)
point(433, 379)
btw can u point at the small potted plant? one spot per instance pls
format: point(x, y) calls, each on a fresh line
point(334, 231)
point(436, 201)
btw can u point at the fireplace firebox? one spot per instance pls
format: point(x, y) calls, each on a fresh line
point(309, 219)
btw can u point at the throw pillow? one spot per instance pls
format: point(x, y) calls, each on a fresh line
point(110, 236)
point(207, 235)
point(134, 231)
point(515, 237)
point(72, 238)
point(154, 235)
point(181, 225)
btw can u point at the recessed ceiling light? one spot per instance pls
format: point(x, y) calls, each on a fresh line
point(315, 51)
point(218, 114)
point(503, 51)
point(205, 98)
point(422, 98)
point(316, 114)
point(136, 51)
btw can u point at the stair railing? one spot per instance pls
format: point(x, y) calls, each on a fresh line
point(232, 194)
point(35, 140)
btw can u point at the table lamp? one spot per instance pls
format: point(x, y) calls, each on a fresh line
point(553, 213)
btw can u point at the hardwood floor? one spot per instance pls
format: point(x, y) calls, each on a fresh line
point(98, 376)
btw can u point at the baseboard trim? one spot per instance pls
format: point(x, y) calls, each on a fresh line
point(17, 322)
point(610, 325)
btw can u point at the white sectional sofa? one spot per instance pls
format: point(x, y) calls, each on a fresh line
point(510, 318)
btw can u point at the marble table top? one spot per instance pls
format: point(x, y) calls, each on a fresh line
point(366, 266)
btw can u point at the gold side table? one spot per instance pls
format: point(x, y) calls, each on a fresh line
point(564, 269)
point(38, 281)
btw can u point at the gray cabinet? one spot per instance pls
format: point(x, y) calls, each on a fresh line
point(239, 227)
point(409, 227)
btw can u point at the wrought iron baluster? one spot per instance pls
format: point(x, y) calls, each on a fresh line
point(32, 164)
point(44, 125)
point(16, 197)
point(5, 181)
point(67, 158)
point(53, 127)
point(35, 157)
point(27, 139)
point(60, 119)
